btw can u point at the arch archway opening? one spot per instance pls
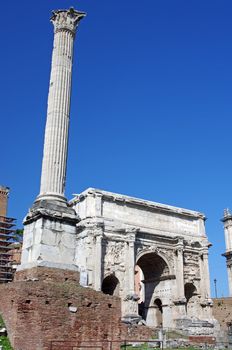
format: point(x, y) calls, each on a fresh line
point(153, 266)
point(110, 285)
point(190, 292)
point(155, 272)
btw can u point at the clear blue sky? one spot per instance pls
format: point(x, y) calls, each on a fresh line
point(151, 104)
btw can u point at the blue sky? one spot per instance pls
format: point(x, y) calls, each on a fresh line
point(151, 104)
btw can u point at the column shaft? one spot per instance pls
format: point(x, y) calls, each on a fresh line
point(205, 275)
point(180, 275)
point(55, 152)
point(57, 126)
point(227, 220)
point(98, 263)
point(131, 267)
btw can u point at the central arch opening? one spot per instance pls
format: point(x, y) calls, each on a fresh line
point(153, 271)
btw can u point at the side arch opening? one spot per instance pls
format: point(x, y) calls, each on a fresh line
point(110, 285)
point(190, 292)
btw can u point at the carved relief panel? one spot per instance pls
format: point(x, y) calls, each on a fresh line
point(191, 266)
point(114, 255)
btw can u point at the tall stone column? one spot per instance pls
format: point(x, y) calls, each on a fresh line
point(57, 126)
point(50, 225)
point(227, 220)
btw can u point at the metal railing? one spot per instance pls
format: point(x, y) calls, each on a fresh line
point(104, 344)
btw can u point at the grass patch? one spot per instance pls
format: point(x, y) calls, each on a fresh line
point(4, 341)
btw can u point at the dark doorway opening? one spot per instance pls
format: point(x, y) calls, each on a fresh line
point(110, 285)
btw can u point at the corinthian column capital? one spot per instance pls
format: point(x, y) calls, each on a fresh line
point(66, 20)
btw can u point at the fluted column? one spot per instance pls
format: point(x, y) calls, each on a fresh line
point(57, 126)
point(227, 220)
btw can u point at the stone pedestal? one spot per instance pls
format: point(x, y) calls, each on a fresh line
point(49, 237)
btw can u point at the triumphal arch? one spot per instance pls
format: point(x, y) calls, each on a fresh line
point(153, 256)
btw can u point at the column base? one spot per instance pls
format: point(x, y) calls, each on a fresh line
point(51, 197)
point(131, 319)
point(130, 309)
point(52, 208)
point(48, 264)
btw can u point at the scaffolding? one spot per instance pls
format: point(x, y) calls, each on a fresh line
point(7, 236)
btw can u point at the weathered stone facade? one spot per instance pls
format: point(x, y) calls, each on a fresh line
point(153, 256)
point(167, 246)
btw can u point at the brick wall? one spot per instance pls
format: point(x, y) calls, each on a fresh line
point(3, 200)
point(222, 311)
point(37, 309)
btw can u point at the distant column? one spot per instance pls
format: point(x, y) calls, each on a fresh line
point(227, 220)
point(57, 126)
